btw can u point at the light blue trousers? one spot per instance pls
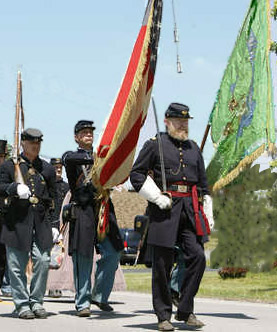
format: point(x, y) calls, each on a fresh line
point(106, 267)
point(82, 268)
point(6, 285)
point(18, 260)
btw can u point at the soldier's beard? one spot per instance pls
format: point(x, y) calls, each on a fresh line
point(181, 135)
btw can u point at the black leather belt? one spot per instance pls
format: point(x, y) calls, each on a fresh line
point(180, 188)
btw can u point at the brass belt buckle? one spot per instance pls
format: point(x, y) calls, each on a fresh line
point(33, 200)
point(182, 188)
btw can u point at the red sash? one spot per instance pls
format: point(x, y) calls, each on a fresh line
point(196, 208)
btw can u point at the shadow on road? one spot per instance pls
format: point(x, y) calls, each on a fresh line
point(227, 315)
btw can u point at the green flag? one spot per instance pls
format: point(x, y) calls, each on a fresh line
point(242, 119)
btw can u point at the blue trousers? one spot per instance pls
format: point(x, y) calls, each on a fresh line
point(106, 267)
point(82, 268)
point(18, 260)
point(6, 285)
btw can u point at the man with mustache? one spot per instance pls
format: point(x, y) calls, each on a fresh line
point(28, 229)
point(176, 216)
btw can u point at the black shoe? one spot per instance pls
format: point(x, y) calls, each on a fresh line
point(175, 298)
point(7, 294)
point(27, 314)
point(40, 313)
point(103, 306)
point(55, 293)
point(191, 320)
point(84, 312)
point(165, 325)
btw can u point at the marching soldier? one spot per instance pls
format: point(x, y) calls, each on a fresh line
point(82, 229)
point(83, 226)
point(27, 229)
point(3, 153)
point(62, 188)
point(176, 217)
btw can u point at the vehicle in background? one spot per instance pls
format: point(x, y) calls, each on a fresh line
point(131, 240)
point(141, 224)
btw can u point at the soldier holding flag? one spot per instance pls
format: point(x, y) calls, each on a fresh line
point(83, 225)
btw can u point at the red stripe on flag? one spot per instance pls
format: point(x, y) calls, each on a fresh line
point(123, 94)
point(122, 152)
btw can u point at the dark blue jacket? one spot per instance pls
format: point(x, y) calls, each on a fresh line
point(184, 163)
point(21, 217)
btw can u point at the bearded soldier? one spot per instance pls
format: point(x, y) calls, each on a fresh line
point(176, 216)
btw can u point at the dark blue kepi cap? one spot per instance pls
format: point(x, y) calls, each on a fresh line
point(82, 124)
point(176, 110)
point(55, 161)
point(3, 144)
point(31, 134)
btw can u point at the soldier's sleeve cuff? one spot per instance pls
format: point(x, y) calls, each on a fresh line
point(12, 189)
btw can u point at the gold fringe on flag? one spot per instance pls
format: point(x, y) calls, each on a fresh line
point(243, 164)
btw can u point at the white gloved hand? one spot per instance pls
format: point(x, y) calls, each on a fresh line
point(153, 194)
point(60, 238)
point(23, 191)
point(55, 234)
point(208, 210)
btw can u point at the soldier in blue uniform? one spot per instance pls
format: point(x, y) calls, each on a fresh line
point(176, 217)
point(82, 228)
point(27, 226)
point(82, 233)
point(3, 153)
point(62, 188)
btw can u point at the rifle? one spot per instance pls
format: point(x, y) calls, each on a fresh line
point(19, 115)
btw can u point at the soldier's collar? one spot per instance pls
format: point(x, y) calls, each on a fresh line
point(36, 163)
point(87, 151)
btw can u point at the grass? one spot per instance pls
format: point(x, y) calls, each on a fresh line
point(260, 287)
point(212, 243)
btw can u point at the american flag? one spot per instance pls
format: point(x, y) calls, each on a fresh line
point(116, 150)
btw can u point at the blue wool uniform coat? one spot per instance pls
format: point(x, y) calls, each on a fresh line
point(183, 163)
point(82, 231)
point(21, 217)
point(82, 235)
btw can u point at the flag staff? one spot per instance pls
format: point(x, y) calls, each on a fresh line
point(205, 137)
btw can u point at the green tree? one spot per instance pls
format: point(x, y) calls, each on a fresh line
point(245, 219)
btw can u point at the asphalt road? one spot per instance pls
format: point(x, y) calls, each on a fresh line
point(133, 312)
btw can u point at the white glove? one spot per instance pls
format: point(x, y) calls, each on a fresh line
point(60, 238)
point(23, 191)
point(152, 193)
point(208, 210)
point(55, 234)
